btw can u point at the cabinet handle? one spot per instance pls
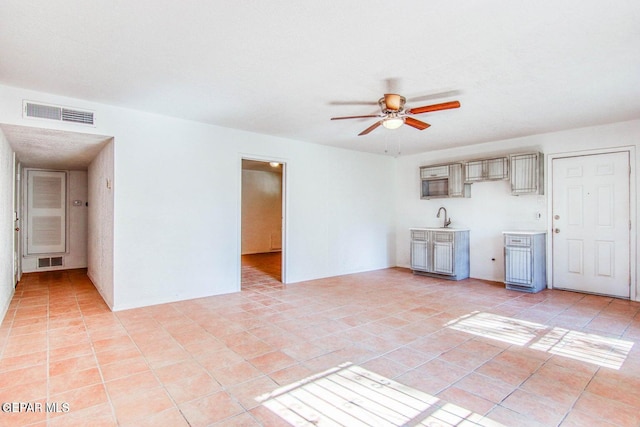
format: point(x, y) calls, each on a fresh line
point(516, 240)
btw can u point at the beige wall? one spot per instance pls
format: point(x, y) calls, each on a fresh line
point(261, 211)
point(100, 223)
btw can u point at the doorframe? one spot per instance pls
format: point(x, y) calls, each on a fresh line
point(285, 212)
point(634, 293)
point(18, 220)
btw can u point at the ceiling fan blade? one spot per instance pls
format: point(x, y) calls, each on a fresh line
point(416, 123)
point(434, 107)
point(370, 128)
point(355, 117)
point(353, 103)
point(431, 96)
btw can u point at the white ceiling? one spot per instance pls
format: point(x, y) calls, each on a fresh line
point(286, 67)
point(53, 149)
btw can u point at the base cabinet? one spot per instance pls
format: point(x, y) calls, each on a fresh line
point(440, 253)
point(524, 261)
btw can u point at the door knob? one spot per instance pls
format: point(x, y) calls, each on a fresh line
point(557, 230)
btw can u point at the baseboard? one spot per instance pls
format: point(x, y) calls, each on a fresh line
point(5, 306)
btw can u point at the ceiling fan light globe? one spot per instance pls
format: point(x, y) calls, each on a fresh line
point(393, 122)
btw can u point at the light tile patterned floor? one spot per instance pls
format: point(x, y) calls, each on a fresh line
point(206, 361)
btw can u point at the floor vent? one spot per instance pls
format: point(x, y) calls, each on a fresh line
point(55, 261)
point(55, 112)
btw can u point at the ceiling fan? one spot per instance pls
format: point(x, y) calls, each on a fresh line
point(393, 114)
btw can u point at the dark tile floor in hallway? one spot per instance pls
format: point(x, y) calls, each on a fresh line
point(262, 271)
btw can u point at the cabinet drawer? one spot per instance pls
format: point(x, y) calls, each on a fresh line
point(517, 240)
point(434, 172)
point(418, 235)
point(442, 236)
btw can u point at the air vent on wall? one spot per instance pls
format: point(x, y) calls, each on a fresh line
point(50, 262)
point(55, 112)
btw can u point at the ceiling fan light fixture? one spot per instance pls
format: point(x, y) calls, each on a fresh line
point(393, 114)
point(393, 122)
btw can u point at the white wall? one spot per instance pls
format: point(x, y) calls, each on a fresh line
point(261, 211)
point(491, 208)
point(100, 223)
point(76, 254)
point(78, 190)
point(177, 194)
point(6, 225)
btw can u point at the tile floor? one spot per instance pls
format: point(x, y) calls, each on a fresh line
point(261, 271)
point(501, 356)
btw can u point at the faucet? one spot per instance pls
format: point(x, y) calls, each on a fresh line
point(447, 222)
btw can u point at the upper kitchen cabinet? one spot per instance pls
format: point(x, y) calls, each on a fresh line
point(432, 172)
point(487, 169)
point(443, 181)
point(527, 173)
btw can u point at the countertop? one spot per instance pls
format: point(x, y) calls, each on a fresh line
point(452, 229)
point(524, 232)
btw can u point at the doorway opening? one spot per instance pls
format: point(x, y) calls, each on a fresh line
point(262, 224)
point(63, 208)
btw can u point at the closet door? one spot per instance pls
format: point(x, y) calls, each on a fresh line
point(46, 212)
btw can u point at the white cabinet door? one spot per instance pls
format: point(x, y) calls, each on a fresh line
point(440, 171)
point(487, 169)
point(518, 265)
point(419, 255)
point(474, 171)
point(527, 173)
point(443, 258)
point(496, 168)
point(456, 181)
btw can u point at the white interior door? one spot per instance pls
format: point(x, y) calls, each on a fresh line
point(591, 224)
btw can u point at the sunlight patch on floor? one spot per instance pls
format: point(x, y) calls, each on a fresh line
point(590, 348)
point(349, 395)
point(505, 329)
point(603, 351)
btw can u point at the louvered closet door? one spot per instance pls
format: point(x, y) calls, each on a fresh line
point(46, 212)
